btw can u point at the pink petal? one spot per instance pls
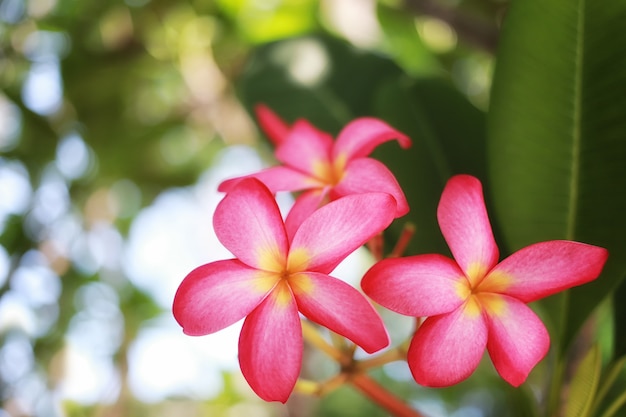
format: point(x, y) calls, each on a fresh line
point(304, 206)
point(361, 136)
point(341, 308)
point(518, 340)
point(270, 346)
point(446, 349)
point(465, 226)
point(340, 227)
point(278, 178)
point(364, 175)
point(306, 149)
point(418, 286)
point(273, 126)
point(545, 268)
point(249, 224)
point(218, 294)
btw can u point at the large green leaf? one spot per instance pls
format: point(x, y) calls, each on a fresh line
point(584, 384)
point(619, 318)
point(557, 146)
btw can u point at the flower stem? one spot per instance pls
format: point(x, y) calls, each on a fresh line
point(319, 389)
point(352, 371)
point(307, 387)
point(392, 355)
point(382, 397)
point(311, 335)
point(403, 241)
point(375, 246)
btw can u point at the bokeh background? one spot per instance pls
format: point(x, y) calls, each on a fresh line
point(117, 121)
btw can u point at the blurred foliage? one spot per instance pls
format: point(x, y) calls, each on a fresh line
point(106, 105)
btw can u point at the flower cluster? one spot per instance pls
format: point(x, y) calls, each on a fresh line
point(282, 268)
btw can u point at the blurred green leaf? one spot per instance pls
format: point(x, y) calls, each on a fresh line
point(619, 318)
point(404, 43)
point(557, 130)
point(319, 78)
point(267, 21)
point(608, 384)
point(584, 384)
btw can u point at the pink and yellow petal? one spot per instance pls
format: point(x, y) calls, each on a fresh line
point(249, 210)
point(270, 346)
point(361, 136)
point(278, 178)
point(341, 308)
point(275, 128)
point(306, 149)
point(340, 227)
point(546, 268)
point(518, 340)
point(465, 225)
point(446, 349)
point(218, 294)
point(418, 286)
point(369, 175)
point(305, 204)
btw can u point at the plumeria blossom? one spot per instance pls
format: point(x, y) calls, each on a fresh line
point(324, 169)
point(472, 302)
point(275, 277)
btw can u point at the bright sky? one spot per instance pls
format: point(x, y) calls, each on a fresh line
point(167, 240)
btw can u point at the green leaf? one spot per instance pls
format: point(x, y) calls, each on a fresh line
point(584, 384)
point(262, 22)
point(619, 318)
point(404, 42)
point(557, 136)
point(608, 380)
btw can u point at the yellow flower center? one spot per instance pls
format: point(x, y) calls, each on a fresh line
point(482, 290)
point(284, 276)
point(330, 173)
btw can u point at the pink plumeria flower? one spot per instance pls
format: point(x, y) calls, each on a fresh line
point(473, 302)
point(274, 277)
point(325, 169)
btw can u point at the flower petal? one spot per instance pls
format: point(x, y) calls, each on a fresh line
point(418, 286)
point(249, 224)
point(546, 268)
point(341, 308)
point(278, 178)
point(273, 126)
point(518, 340)
point(364, 175)
point(218, 294)
point(337, 229)
point(270, 346)
point(303, 207)
point(446, 349)
point(306, 149)
point(361, 136)
point(465, 226)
